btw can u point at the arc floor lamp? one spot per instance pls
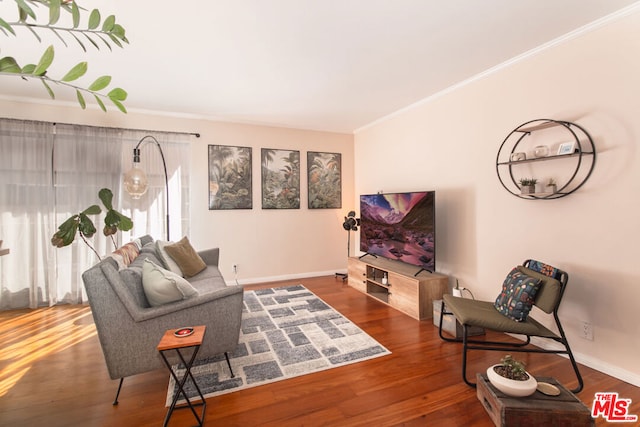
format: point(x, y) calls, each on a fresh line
point(135, 181)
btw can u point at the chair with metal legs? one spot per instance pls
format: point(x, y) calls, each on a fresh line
point(506, 314)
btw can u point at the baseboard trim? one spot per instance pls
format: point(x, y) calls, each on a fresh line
point(592, 362)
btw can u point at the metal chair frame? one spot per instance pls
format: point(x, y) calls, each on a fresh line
point(475, 344)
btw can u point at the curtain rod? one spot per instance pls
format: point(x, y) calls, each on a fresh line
point(196, 134)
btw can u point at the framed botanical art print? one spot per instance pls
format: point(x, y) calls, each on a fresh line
point(230, 177)
point(324, 180)
point(280, 179)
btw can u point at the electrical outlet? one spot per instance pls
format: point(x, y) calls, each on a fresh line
point(586, 331)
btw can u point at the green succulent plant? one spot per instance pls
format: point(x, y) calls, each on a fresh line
point(97, 32)
point(512, 369)
point(525, 182)
point(81, 224)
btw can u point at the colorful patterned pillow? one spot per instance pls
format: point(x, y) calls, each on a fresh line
point(126, 254)
point(543, 268)
point(517, 296)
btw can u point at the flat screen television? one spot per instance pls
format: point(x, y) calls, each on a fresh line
point(400, 226)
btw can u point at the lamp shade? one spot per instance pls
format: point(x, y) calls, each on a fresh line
point(135, 182)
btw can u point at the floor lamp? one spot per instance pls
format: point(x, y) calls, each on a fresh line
point(135, 181)
point(350, 224)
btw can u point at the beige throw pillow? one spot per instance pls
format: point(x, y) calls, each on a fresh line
point(166, 259)
point(163, 286)
point(186, 257)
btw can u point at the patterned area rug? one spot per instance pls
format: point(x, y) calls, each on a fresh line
point(286, 332)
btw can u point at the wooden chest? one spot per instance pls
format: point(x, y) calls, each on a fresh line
point(565, 410)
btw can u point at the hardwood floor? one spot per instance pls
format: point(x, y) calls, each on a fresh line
point(52, 373)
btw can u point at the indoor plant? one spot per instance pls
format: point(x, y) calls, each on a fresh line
point(81, 223)
point(551, 186)
point(528, 185)
point(98, 31)
point(511, 378)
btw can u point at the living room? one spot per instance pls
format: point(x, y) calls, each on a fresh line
point(448, 143)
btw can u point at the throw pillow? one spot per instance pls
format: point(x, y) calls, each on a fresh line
point(126, 254)
point(517, 296)
point(163, 286)
point(166, 259)
point(186, 257)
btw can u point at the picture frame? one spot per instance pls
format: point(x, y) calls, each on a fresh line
point(230, 177)
point(280, 178)
point(566, 148)
point(324, 180)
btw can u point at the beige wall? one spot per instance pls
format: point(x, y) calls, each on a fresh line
point(265, 244)
point(449, 144)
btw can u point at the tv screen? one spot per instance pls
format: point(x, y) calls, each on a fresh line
point(400, 226)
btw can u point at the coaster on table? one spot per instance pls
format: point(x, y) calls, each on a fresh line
point(183, 332)
point(548, 389)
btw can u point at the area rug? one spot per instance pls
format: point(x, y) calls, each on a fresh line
point(286, 332)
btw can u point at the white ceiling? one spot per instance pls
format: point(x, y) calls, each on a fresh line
point(334, 65)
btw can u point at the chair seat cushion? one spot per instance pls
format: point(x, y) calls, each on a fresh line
point(483, 314)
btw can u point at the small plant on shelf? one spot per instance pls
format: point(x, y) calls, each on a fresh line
point(528, 185)
point(551, 186)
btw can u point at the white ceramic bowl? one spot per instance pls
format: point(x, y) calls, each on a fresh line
point(512, 387)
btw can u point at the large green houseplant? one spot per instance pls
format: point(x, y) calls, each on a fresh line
point(81, 224)
point(96, 33)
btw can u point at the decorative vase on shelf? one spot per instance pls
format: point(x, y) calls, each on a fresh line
point(541, 151)
point(528, 189)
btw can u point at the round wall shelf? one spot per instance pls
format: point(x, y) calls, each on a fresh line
point(545, 150)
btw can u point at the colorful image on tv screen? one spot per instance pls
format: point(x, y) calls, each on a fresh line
point(399, 226)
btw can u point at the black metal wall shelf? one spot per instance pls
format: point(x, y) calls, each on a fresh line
point(575, 166)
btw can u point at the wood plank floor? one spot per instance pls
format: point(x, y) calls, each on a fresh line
point(52, 373)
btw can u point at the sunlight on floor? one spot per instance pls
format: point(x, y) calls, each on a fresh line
point(28, 337)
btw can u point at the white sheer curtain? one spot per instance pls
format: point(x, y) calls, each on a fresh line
point(26, 217)
point(51, 172)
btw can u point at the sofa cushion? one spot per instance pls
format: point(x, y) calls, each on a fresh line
point(163, 286)
point(186, 257)
point(166, 259)
point(132, 275)
point(517, 296)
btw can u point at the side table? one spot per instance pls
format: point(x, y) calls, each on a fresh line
point(171, 342)
point(565, 410)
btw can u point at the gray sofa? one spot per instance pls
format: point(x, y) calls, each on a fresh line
point(129, 329)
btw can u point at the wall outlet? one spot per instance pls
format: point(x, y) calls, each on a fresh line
point(586, 331)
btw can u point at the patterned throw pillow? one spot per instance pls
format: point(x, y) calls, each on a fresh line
point(517, 296)
point(126, 254)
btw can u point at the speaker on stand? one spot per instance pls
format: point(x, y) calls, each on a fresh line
point(350, 224)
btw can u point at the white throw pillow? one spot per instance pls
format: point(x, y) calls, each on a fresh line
point(166, 259)
point(163, 286)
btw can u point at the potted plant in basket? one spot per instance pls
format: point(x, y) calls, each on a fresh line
point(528, 185)
point(511, 378)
